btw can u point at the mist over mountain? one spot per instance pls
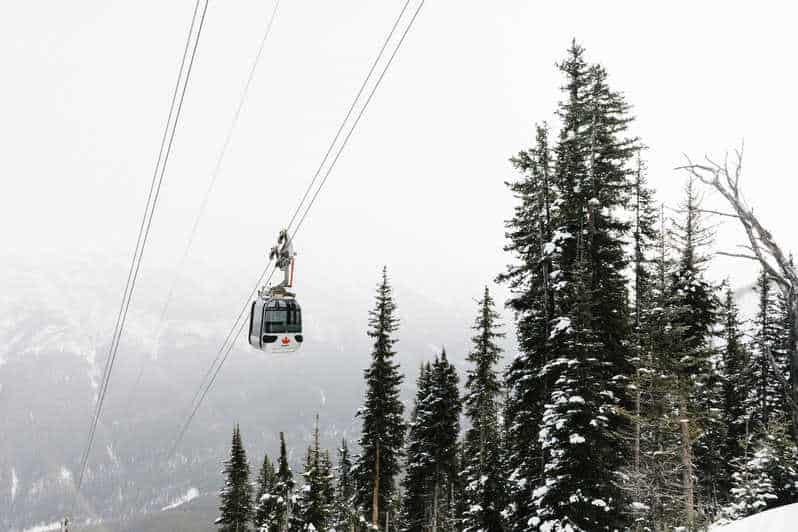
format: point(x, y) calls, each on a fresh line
point(55, 327)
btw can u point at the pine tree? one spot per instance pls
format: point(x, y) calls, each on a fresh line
point(786, 347)
point(235, 511)
point(445, 408)
point(643, 303)
point(534, 243)
point(483, 477)
point(753, 489)
point(589, 368)
point(655, 483)
point(698, 381)
point(766, 397)
point(768, 476)
point(432, 465)
point(344, 515)
point(266, 481)
point(314, 505)
point(282, 498)
point(383, 432)
point(415, 514)
point(736, 384)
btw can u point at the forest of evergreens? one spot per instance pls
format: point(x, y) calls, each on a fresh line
point(639, 398)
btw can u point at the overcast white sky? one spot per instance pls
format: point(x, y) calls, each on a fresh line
point(86, 87)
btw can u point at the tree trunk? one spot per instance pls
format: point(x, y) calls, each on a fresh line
point(687, 466)
point(375, 512)
point(435, 505)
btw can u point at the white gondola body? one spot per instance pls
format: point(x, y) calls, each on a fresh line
point(275, 325)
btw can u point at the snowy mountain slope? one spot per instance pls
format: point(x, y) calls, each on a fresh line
point(783, 519)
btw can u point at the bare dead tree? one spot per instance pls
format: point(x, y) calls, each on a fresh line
point(762, 247)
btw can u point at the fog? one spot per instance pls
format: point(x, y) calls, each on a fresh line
point(421, 184)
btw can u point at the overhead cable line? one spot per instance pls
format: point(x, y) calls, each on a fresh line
point(238, 326)
point(178, 96)
point(212, 182)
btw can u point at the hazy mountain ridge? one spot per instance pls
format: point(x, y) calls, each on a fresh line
point(54, 333)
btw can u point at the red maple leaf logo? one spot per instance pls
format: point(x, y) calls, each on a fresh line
point(285, 340)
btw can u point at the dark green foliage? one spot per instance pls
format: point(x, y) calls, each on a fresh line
point(736, 383)
point(589, 369)
point(532, 300)
point(416, 486)
point(696, 365)
point(484, 483)
point(766, 476)
point(432, 464)
point(766, 401)
point(280, 500)
point(235, 511)
point(344, 515)
point(313, 510)
point(383, 430)
point(267, 478)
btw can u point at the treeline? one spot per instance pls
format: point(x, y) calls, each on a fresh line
point(639, 398)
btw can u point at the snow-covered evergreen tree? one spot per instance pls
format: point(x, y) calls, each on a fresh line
point(654, 482)
point(766, 400)
point(432, 465)
point(313, 509)
point(643, 302)
point(265, 487)
point(767, 477)
point(383, 431)
point(589, 367)
point(533, 243)
point(699, 382)
point(344, 514)
point(736, 383)
point(415, 514)
point(445, 407)
point(484, 481)
point(235, 512)
point(281, 501)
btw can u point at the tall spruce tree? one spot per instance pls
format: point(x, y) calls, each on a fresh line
point(590, 368)
point(432, 464)
point(787, 342)
point(263, 496)
point(698, 381)
point(416, 508)
point(643, 302)
point(445, 407)
point(383, 432)
point(235, 511)
point(281, 501)
point(483, 475)
point(313, 510)
point(655, 483)
point(533, 243)
point(344, 514)
point(736, 384)
point(767, 401)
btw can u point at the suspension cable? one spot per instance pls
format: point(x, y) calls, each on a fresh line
point(175, 109)
point(238, 326)
point(212, 182)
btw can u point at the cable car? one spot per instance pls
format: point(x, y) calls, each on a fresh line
point(275, 318)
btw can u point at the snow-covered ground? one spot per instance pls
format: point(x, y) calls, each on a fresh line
point(189, 496)
point(782, 519)
point(44, 527)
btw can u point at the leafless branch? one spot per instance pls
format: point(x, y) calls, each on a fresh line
point(737, 255)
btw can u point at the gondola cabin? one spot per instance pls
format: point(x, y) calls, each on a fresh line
point(275, 325)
